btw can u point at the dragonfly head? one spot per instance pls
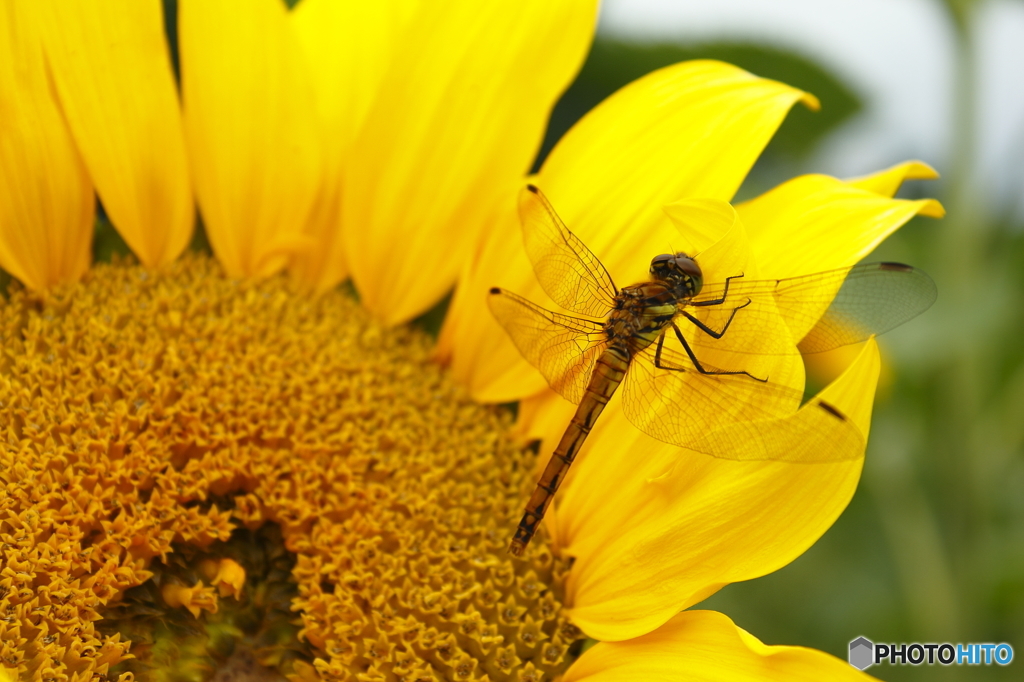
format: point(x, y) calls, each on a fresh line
point(678, 270)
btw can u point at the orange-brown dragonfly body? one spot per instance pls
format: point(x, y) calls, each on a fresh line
point(587, 361)
point(641, 314)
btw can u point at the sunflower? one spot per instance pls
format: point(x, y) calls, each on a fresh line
point(214, 462)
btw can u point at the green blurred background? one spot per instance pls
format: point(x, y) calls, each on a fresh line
point(931, 549)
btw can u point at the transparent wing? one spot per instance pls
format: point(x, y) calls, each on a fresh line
point(817, 432)
point(823, 311)
point(874, 298)
point(667, 398)
point(567, 270)
point(564, 348)
point(732, 416)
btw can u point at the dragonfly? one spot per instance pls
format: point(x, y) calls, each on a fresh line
point(654, 339)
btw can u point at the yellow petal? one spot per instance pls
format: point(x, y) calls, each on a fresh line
point(543, 417)
point(46, 200)
point(459, 117)
point(887, 182)
point(689, 130)
point(706, 646)
point(715, 236)
point(815, 222)
point(701, 222)
point(476, 350)
point(251, 130)
point(822, 368)
point(113, 73)
point(348, 48)
point(655, 529)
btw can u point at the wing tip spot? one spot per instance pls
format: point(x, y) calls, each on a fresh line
point(533, 188)
point(832, 410)
point(897, 267)
point(495, 290)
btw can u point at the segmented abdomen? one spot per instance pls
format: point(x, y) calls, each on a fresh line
point(609, 371)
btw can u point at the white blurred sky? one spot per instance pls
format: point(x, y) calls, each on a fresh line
point(898, 55)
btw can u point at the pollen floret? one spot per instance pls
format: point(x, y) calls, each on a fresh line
point(144, 412)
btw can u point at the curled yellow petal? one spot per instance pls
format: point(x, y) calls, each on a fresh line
point(112, 69)
point(645, 520)
point(459, 118)
point(705, 646)
point(701, 222)
point(815, 222)
point(251, 130)
point(46, 199)
point(887, 182)
point(715, 236)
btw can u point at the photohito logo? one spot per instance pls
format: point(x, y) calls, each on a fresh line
point(865, 653)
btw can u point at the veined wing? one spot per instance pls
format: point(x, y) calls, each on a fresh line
point(567, 270)
point(824, 310)
point(665, 396)
point(564, 348)
point(727, 416)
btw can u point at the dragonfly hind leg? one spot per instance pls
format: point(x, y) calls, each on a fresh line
point(693, 358)
point(708, 330)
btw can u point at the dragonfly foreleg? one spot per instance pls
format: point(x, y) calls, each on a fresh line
point(693, 358)
point(725, 294)
point(708, 330)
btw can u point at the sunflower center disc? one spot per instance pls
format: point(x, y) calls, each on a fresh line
point(152, 422)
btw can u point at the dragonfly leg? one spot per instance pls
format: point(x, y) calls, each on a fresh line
point(693, 358)
point(708, 330)
point(725, 294)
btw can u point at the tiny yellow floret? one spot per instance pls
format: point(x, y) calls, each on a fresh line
point(227, 575)
point(196, 599)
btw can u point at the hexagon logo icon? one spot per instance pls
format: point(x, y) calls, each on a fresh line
point(862, 653)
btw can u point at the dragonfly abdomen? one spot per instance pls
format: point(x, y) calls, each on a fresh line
point(609, 371)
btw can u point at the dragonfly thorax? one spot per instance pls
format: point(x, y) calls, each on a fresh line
point(680, 272)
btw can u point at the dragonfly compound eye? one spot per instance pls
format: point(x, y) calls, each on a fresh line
point(661, 265)
point(690, 271)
